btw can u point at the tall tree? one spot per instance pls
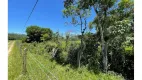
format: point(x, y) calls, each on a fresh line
point(101, 8)
point(79, 17)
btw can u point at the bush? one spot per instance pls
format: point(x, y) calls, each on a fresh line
point(23, 40)
point(72, 54)
point(60, 56)
point(91, 54)
point(122, 62)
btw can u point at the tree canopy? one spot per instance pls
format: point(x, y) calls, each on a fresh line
point(36, 33)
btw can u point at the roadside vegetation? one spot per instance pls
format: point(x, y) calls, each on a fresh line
point(41, 67)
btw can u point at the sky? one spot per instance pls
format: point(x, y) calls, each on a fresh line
point(47, 13)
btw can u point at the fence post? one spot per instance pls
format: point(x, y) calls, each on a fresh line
point(24, 61)
point(21, 50)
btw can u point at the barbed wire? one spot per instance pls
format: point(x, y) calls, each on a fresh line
point(45, 68)
point(40, 67)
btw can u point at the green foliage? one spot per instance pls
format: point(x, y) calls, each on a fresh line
point(39, 66)
point(44, 37)
point(120, 27)
point(73, 37)
point(115, 25)
point(91, 55)
point(36, 33)
point(67, 39)
point(72, 54)
point(46, 33)
point(79, 17)
point(24, 40)
point(121, 39)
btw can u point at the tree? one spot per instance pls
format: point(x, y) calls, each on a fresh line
point(78, 18)
point(36, 33)
point(46, 34)
point(44, 37)
point(67, 39)
point(100, 7)
point(121, 38)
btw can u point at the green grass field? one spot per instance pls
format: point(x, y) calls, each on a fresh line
point(40, 67)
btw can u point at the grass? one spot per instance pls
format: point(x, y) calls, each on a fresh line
point(40, 67)
point(73, 74)
point(14, 63)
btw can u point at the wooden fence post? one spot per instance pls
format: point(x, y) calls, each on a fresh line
point(24, 61)
point(21, 50)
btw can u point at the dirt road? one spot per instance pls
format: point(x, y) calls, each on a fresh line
point(10, 47)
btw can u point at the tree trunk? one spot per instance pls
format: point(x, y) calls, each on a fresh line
point(78, 59)
point(104, 51)
point(103, 43)
point(80, 52)
point(105, 58)
point(103, 47)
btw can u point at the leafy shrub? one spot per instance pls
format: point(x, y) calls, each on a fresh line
point(59, 56)
point(91, 55)
point(123, 62)
point(72, 54)
point(23, 40)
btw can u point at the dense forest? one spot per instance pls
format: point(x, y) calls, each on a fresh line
point(109, 50)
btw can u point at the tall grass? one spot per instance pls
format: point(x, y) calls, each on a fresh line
point(40, 67)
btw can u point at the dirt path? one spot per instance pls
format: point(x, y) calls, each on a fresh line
point(10, 47)
point(9, 43)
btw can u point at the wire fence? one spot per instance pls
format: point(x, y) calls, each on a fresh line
point(40, 67)
point(38, 63)
point(45, 68)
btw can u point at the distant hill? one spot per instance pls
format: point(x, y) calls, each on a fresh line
point(16, 36)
